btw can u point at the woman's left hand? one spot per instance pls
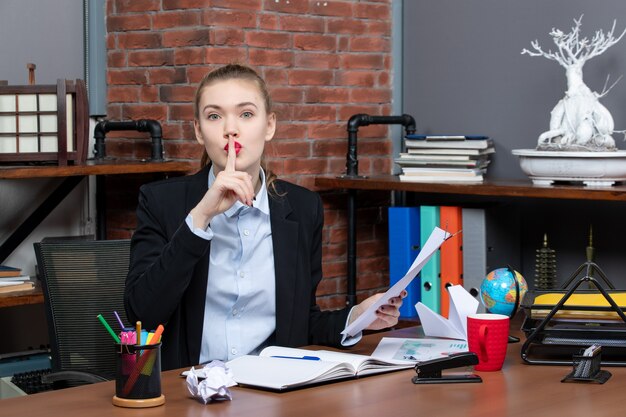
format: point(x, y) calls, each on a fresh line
point(386, 315)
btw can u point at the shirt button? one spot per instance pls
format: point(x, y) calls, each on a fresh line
point(233, 351)
point(242, 274)
point(246, 232)
point(235, 312)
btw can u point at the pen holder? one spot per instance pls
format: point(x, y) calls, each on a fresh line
point(138, 376)
point(587, 369)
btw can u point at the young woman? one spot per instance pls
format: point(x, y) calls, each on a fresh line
point(229, 259)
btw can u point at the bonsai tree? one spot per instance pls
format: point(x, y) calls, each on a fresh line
point(578, 122)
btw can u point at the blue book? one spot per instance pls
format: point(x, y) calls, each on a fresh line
point(404, 245)
point(430, 275)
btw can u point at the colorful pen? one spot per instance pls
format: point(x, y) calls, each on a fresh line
point(106, 326)
point(138, 331)
point(119, 320)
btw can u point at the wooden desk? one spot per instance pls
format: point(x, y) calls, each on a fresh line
point(517, 390)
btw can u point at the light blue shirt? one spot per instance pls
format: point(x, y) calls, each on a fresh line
point(240, 309)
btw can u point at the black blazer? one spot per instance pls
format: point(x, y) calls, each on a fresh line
point(167, 279)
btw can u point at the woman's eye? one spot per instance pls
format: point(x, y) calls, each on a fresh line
point(247, 114)
point(213, 116)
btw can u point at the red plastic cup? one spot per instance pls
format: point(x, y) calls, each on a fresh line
point(488, 337)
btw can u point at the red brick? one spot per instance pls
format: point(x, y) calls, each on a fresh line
point(125, 6)
point(357, 78)
point(151, 58)
point(184, 150)
point(190, 37)
point(347, 111)
point(149, 94)
point(274, 40)
point(147, 111)
point(275, 76)
point(189, 56)
point(122, 94)
point(172, 130)
point(361, 61)
point(167, 75)
point(369, 44)
point(286, 94)
point(327, 95)
point(299, 23)
point(228, 36)
point(225, 55)
point(314, 113)
point(344, 44)
point(316, 60)
point(374, 147)
point(371, 95)
point(128, 22)
point(348, 27)
point(184, 4)
point(195, 73)
point(116, 59)
point(177, 93)
point(227, 18)
point(237, 4)
point(331, 8)
point(334, 269)
point(305, 166)
point(268, 22)
point(310, 77)
point(137, 76)
point(381, 28)
point(315, 42)
point(181, 111)
point(270, 58)
point(291, 6)
point(284, 112)
point(291, 149)
point(372, 11)
point(139, 40)
point(329, 148)
point(327, 286)
point(114, 111)
point(168, 20)
point(327, 131)
point(290, 131)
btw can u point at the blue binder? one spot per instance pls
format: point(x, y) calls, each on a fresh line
point(404, 245)
point(430, 275)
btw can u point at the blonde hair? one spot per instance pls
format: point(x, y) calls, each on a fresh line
point(235, 72)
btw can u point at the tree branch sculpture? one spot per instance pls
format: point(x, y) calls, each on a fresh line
point(578, 122)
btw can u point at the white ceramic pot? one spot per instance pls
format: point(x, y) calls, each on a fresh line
point(598, 169)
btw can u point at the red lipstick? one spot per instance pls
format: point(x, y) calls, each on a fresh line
point(237, 147)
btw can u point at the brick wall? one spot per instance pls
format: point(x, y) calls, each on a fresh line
point(323, 61)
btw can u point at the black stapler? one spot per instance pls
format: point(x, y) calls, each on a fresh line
point(429, 372)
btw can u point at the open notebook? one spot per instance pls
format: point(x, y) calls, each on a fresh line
point(282, 368)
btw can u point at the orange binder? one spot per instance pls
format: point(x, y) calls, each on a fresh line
point(450, 220)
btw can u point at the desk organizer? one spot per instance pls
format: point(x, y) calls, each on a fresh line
point(587, 369)
point(560, 322)
point(138, 376)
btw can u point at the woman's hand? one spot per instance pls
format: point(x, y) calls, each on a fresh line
point(386, 315)
point(229, 186)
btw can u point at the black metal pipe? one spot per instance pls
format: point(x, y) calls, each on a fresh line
point(352, 170)
point(358, 120)
point(143, 125)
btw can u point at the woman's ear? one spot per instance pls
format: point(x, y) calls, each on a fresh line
point(198, 132)
point(271, 126)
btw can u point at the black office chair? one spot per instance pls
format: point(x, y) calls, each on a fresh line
point(81, 279)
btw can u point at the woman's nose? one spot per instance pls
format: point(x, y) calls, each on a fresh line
point(230, 129)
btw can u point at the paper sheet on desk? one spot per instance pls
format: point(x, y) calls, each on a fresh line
point(462, 304)
point(436, 238)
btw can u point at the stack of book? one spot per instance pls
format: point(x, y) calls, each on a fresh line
point(11, 280)
point(445, 158)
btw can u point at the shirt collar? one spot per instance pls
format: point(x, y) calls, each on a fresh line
point(260, 201)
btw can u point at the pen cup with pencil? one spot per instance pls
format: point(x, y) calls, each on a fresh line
point(138, 376)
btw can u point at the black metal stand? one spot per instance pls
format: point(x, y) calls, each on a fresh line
point(352, 171)
point(587, 369)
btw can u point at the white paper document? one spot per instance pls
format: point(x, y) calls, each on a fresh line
point(436, 238)
point(417, 350)
point(462, 304)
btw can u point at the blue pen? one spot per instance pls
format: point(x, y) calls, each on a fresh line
point(306, 358)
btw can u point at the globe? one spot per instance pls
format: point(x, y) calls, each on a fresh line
point(498, 292)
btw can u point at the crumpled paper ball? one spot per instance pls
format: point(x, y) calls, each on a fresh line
point(211, 383)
